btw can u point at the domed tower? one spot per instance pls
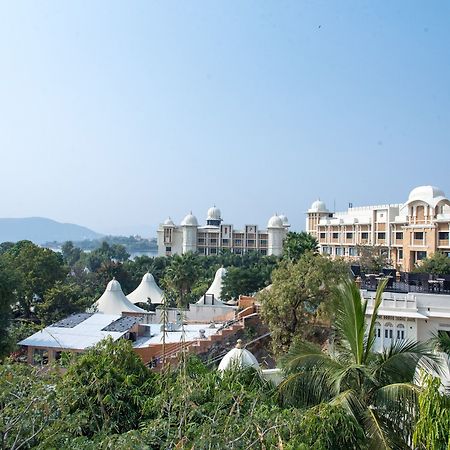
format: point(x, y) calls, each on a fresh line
point(214, 217)
point(189, 226)
point(317, 211)
point(276, 232)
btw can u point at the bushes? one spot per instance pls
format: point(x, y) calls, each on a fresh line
point(108, 399)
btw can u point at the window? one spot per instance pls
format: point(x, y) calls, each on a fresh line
point(201, 240)
point(381, 235)
point(388, 330)
point(213, 241)
point(238, 241)
point(339, 251)
point(418, 235)
point(352, 251)
point(364, 235)
point(225, 241)
point(399, 235)
point(263, 252)
point(323, 235)
point(349, 235)
point(263, 242)
point(400, 331)
point(212, 251)
point(377, 330)
point(400, 253)
point(420, 255)
point(250, 242)
point(168, 249)
point(443, 235)
point(335, 235)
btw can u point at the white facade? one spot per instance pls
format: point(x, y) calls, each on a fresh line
point(412, 316)
point(214, 236)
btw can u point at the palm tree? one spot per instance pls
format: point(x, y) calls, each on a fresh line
point(181, 275)
point(376, 389)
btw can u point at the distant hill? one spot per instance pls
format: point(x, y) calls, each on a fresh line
point(41, 230)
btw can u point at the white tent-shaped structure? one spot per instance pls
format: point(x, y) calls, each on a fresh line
point(238, 358)
point(147, 292)
point(214, 293)
point(113, 301)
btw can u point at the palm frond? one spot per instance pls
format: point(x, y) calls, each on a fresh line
point(350, 318)
point(370, 340)
point(308, 379)
point(441, 341)
point(349, 401)
point(398, 362)
point(398, 403)
point(376, 431)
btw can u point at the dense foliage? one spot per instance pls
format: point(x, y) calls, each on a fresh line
point(437, 264)
point(376, 389)
point(300, 298)
point(109, 399)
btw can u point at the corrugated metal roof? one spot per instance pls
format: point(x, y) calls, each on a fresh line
point(84, 335)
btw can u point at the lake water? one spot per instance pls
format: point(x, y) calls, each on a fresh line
point(150, 254)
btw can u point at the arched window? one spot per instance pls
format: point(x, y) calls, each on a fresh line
point(377, 330)
point(400, 331)
point(388, 330)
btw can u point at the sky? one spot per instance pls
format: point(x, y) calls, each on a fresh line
point(115, 115)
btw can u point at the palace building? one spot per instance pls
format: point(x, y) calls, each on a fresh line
point(215, 235)
point(406, 232)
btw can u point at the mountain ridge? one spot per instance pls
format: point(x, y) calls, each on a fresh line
point(42, 229)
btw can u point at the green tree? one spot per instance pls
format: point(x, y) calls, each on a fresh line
point(437, 264)
point(375, 388)
point(296, 244)
point(38, 270)
point(27, 406)
point(7, 286)
point(373, 259)
point(70, 253)
point(432, 430)
point(181, 275)
point(301, 293)
point(104, 391)
point(60, 301)
point(242, 281)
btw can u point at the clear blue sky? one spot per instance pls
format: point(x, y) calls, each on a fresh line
point(115, 115)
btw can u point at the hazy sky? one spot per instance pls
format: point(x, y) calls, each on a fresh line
point(115, 115)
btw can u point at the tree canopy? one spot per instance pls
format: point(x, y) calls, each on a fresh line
point(300, 294)
point(296, 244)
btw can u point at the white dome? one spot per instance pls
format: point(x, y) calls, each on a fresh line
point(238, 358)
point(275, 222)
point(214, 213)
point(190, 221)
point(284, 219)
point(318, 206)
point(147, 291)
point(169, 222)
point(113, 301)
point(428, 194)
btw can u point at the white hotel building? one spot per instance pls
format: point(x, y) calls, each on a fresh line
point(412, 316)
point(215, 235)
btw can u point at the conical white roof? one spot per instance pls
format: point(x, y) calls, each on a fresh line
point(147, 291)
point(238, 358)
point(113, 301)
point(214, 290)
